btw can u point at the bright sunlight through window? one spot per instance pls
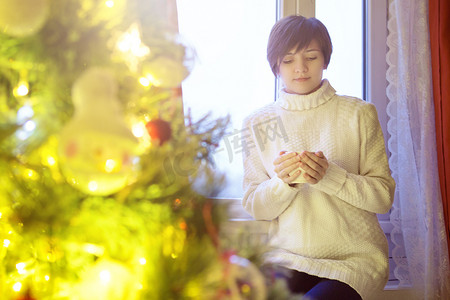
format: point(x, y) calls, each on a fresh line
point(231, 75)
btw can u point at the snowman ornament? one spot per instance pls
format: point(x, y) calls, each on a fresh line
point(97, 150)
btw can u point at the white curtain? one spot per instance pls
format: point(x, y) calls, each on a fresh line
point(419, 234)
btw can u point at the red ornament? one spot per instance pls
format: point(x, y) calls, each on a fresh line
point(159, 130)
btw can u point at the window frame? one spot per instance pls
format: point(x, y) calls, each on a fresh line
point(375, 68)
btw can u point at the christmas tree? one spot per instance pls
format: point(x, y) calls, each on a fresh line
point(104, 179)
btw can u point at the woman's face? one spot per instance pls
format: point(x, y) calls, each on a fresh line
point(301, 71)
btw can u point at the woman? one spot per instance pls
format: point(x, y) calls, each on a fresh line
point(323, 183)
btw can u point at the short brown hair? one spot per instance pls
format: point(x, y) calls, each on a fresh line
point(298, 32)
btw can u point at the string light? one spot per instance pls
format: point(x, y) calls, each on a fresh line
point(17, 286)
point(31, 174)
point(24, 113)
point(21, 89)
point(29, 126)
point(6, 243)
point(130, 42)
point(110, 165)
point(142, 261)
point(138, 130)
point(152, 79)
point(21, 268)
point(94, 249)
point(131, 47)
point(144, 81)
point(51, 160)
point(92, 186)
point(47, 278)
point(109, 3)
point(27, 130)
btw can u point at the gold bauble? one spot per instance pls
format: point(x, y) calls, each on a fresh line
point(108, 279)
point(21, 18)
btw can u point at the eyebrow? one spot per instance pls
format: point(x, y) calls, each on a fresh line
point(307, 50)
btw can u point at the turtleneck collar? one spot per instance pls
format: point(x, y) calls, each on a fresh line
point(304, 102)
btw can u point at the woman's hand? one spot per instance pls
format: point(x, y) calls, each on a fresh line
point(315, 166)
point(285, 163)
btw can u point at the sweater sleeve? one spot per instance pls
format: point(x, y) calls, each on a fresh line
point(373, 188)
point(264, 198)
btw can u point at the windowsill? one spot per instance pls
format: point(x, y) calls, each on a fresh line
point(240, 221)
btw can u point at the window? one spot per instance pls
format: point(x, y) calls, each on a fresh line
point(345, 26)
point(231, 75)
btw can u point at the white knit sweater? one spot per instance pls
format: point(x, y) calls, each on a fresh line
point(329, 229)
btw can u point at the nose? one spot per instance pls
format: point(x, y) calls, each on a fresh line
point(301, 67)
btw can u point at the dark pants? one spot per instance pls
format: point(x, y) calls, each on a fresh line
point(313, 287)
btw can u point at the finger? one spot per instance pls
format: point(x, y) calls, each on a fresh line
point(283, 170)
point(320, 154)
point(314, 161)
point(293, 176)
point(310, 160)
point(288, 175)
point(313, 172)
point(283, 157)
point(310, 156)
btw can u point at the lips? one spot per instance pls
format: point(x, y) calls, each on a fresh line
point(302, 79)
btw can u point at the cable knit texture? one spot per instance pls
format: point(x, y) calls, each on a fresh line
point(329, 229)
